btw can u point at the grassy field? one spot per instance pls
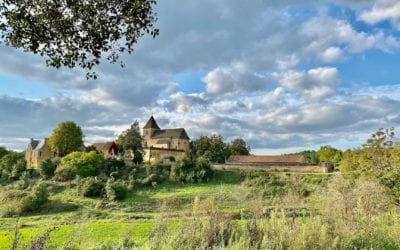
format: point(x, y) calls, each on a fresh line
point(91, 222)
point(75, 222)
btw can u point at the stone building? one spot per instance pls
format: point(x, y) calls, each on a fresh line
point(38, 151)
point(159, 144)
point(273, 163)
point(108, 149)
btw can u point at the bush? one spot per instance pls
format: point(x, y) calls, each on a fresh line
point(189, 171)
point(158, 172)
point(36, 199)
point(12, 166)
point(82, 164)
point(114, 167)
point(91, 187)
point(48, 167)
point(116, 190)
point(64, 173)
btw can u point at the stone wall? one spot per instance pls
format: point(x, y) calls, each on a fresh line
point(156, 154)
point(323, 168)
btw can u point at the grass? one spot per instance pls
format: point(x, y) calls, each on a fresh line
point(89, 222)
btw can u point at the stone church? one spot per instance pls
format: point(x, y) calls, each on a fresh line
point(160, 144)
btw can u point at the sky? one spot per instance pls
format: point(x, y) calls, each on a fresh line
point(283, 75)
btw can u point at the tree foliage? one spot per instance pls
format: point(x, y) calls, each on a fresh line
point(212, 148)
point(131, 140)
point(3, 152)
point(66, 138)
point(378, 158)
point(330, 155)
point(81, 163)
point(238, 147)
point(76, 33)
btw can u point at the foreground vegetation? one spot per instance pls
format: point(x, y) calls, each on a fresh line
point(84, 201)
point(233, 210)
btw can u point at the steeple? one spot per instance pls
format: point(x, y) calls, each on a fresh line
point(151, 124)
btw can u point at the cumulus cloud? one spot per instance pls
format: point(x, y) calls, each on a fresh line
point(266, 79)
point(381, 11)
point(314, 84)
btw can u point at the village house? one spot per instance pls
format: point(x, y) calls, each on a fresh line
point(38, 151)
point(108, 149)
point(159, 144)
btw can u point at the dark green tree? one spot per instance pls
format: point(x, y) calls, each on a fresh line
point(238, 147)
point(131, 140)
point(76, 33)
point(67, 137)
point(211, 148)
point(3, 152)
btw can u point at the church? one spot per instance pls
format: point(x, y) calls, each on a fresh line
point(161, 144)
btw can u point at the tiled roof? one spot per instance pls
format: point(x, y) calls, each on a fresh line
point(177, 133)
point(103, 146)
point(266, 159)
point(37, 144)
point(151, 123)
point(34, 143)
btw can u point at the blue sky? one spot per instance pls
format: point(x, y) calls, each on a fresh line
point(283, 75)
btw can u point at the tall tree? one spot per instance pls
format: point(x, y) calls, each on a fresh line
point(66, 138)
point(212, 148)
point(131, 139)
point(330, 155)
point(238, 147)
point(76, 33)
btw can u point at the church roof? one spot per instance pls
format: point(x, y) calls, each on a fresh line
point(176, 133)
point(151, 123)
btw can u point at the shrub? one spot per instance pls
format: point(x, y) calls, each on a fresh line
point(116, 168)
point(64, 173)
point(190, 171)
point(159, 172)
point(48, 167)
point(116, 190)
point(82, 164)
point(91, 187)
point(36, 199)
point(12, 166)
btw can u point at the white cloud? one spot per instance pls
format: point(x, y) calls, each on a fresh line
point(381, 11)
point(315, 84)
point(331, 54)
point(254, 56)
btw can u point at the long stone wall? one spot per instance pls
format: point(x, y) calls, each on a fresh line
point(268, 168)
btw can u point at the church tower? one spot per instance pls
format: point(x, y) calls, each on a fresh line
point(149, 129)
